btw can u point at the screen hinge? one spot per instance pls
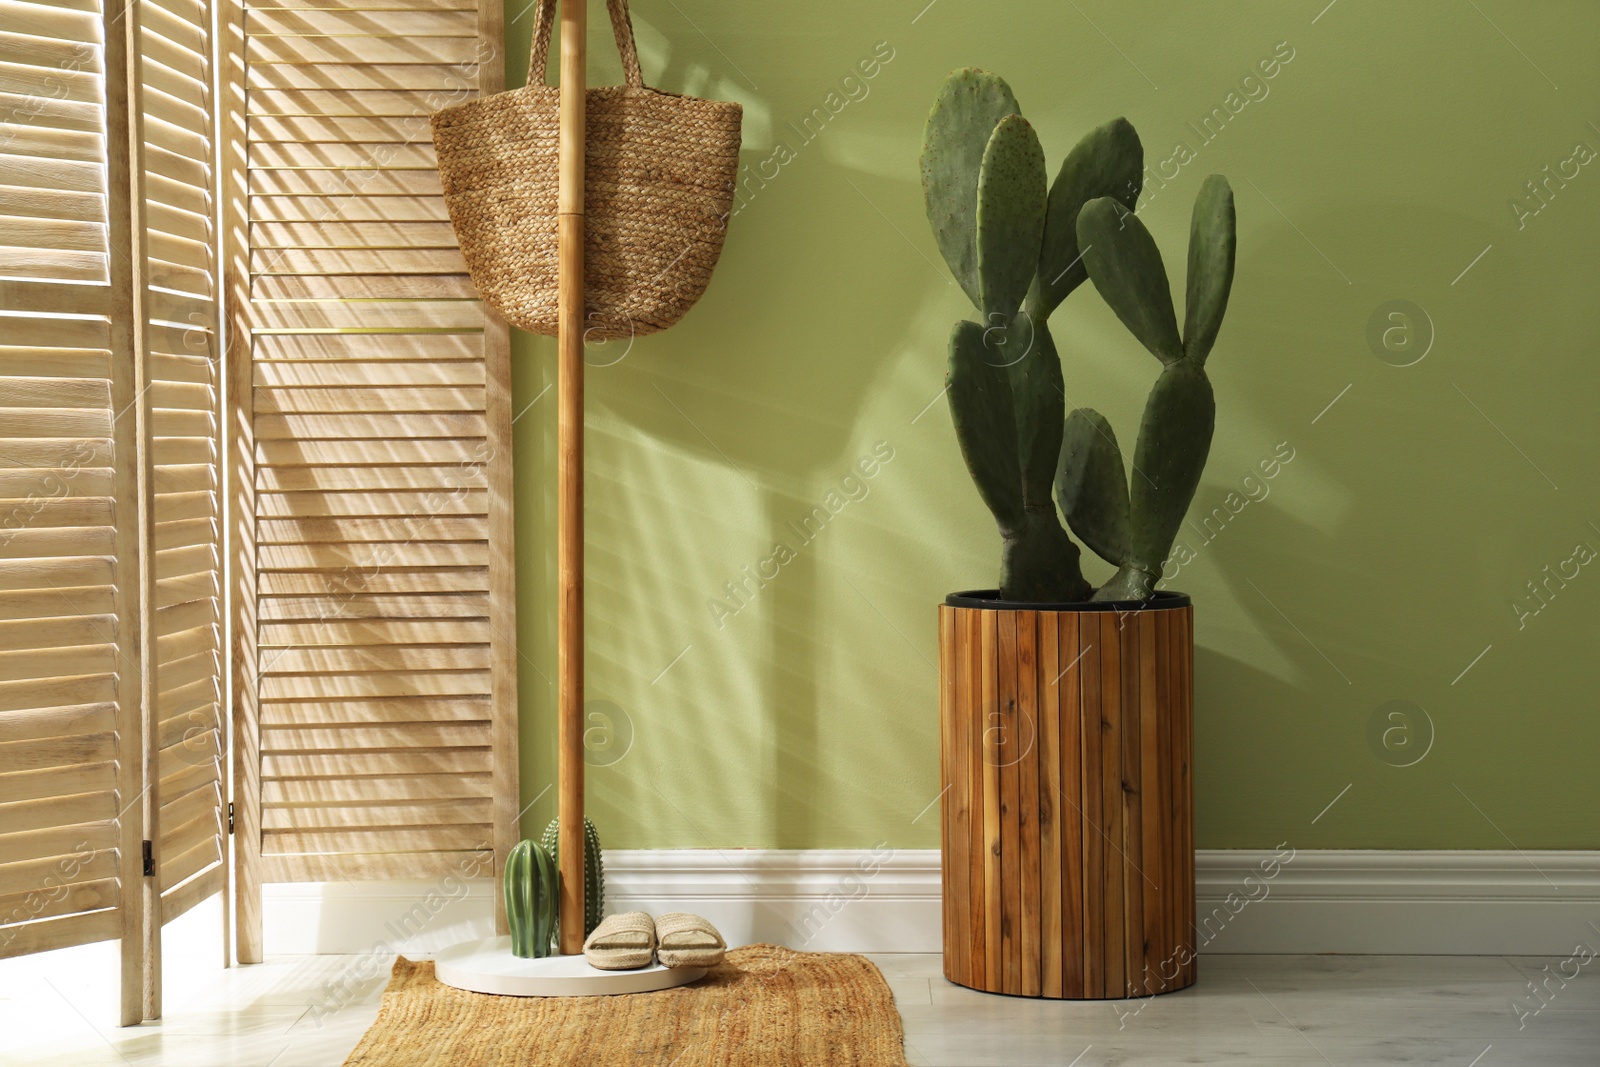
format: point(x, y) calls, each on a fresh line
point(230, 816)
point(149, 860)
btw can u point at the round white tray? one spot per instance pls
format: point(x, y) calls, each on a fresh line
point(489, 967)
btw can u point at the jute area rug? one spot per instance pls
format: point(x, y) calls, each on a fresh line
point(764, 1006)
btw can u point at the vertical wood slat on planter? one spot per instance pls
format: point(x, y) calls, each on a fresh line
point(1066, 740)
point(1159, 800)
point(1051, 940)
point(1175, 801)
point(1006, 728)
point(971, 652)
point(988, 731)
point(948, 801)
point(1135, 878)
point(958, 821)
point(1068, 683)
point(1088, 727)
point(1027, 778)
point(1185, 763)
point(1112, 856)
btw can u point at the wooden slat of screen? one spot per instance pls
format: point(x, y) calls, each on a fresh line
point(375, 438)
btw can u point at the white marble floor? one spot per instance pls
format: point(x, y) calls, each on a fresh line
point(309, 1011)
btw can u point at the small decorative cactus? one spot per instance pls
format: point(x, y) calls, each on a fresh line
point(594, 872)
point(1019, 246)
point(531, 889)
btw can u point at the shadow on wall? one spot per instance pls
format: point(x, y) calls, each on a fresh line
point(710, 391)
point(1353, 583)
point(705, 451)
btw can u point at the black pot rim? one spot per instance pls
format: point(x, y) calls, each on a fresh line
point(989, 600)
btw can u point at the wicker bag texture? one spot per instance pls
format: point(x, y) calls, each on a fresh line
point(660, 176)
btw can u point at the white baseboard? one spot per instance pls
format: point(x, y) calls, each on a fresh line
point(1465, 903)
point(414, 918)
point(822, 900)
point(883, 900)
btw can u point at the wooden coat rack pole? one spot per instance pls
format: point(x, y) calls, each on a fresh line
point(569, 538)
point(491, 965)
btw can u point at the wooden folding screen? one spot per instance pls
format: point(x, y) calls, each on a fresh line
point(111, 787)
point(374, 593)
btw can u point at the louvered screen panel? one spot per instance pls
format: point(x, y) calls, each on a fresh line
point(379, 623)
point(60, 796)
point(184, 405)
point(110, 792)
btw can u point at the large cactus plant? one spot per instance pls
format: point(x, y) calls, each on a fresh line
point(1019, 245)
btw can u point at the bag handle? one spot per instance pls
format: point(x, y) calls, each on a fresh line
point(621, 26)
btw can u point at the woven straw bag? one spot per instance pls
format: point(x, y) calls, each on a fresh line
point(659, 185)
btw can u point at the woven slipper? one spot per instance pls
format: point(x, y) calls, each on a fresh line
point(688, 941)
point(621, 942)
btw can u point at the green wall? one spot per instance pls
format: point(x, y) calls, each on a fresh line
point(1382, 162)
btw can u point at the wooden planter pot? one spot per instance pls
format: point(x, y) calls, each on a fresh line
point(1068, 810)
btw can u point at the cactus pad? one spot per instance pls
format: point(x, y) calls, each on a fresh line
point(970, 104)
point(1109, 161)
point(1211, 249)
point(1174, 440)
point(979, 393)
point(1011, 199)
point(1038, 399)
point(1092, 486)
point(1126, 267)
